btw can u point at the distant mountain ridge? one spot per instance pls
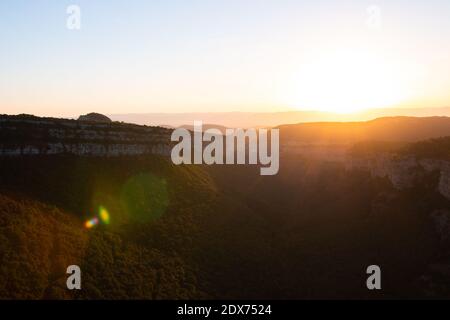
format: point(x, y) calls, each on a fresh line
point(26, 134)
point(271, 119)
point(403, 129)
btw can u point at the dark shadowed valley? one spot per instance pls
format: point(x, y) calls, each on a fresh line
point(348, 195)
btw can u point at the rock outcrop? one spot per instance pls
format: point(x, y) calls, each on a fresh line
point(29, 135)
point(94, 117)
point(403, 171)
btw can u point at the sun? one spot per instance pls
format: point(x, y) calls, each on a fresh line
point(348, 81)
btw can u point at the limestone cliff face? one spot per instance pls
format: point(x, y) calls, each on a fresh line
point(403, 171)
point(27, 135)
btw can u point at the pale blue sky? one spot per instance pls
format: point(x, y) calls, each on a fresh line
point(217, 55)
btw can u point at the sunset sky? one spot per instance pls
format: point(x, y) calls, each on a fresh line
point(139, 56)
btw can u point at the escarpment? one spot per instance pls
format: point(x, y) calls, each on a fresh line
point(29, 135)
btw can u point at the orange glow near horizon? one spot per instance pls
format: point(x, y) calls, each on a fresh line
point(341, 57)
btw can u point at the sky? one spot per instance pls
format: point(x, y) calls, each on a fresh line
point(144, 56)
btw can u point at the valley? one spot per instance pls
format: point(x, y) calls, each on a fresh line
point(222, 232)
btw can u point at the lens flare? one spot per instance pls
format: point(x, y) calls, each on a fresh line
point(91, 223)
point(145, 197)
point(104, 215)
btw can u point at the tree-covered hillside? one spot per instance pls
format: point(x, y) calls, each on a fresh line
point(213, 232)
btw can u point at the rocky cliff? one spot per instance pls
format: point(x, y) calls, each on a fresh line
point(403, 171)
point(29, 135)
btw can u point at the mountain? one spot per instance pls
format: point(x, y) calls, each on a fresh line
point(271, 119)
point(147, 249)
point(224, 231)
point(403, 129)
point(28, 135)
point(205, 127)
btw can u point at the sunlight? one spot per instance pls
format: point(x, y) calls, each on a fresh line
point(349, 81)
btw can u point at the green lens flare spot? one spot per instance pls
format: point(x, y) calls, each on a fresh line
point(145, 197)
point(104, 215)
